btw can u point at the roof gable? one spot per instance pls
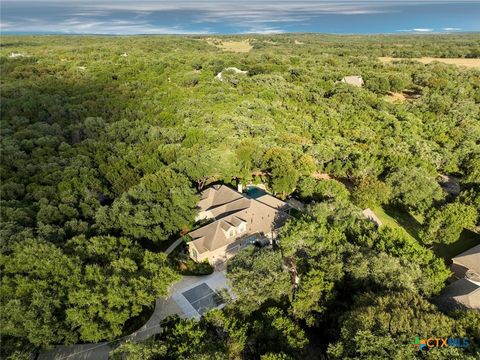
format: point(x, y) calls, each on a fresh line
point(273, 202)
point(216, 196)
point(462, 292)
point(469, 259)
point(232, 209)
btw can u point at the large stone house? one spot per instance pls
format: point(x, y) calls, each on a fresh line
point(235, 221)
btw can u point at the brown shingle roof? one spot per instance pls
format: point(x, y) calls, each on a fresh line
point(231, 209)
point(216, 196)
point(469, 259)
point(460, 294)
point(273, 202)
point(212, 236)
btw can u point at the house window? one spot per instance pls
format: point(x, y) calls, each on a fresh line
point(194, 254)
point(231, 233)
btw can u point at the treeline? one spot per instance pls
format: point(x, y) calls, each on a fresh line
point(106, 140)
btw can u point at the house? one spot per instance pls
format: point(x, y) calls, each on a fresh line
point(465, 291)
point(235, 221)
point(461, 294)
point(467, 265)
point(353, 80)
point(370, 215)
point(219, 76)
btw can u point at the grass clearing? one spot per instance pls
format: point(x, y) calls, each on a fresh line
point(233, 46)
point(402, 96)
point(411, 225)
point(470, 63)
point(396, 96)
point(397, 218)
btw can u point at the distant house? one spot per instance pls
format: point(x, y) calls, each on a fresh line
point(219, 76)
point(370, 215)
point(353, 80)
point(465, 291)
point(236, 221)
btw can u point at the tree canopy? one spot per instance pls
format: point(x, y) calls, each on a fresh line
point(103, 155)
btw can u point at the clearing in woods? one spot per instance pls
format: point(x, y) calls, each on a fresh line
point(402, 96)
point(471, 63)
point(396, 96)
point(234, 46)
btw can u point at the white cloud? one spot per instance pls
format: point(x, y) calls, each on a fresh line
point(419, 30)
point(153, 16)
point(422, 30)
point(129, 17)
point(6, 25)
point(249, 11)
point(263, 30)
point(109, 27)
point(91, 12)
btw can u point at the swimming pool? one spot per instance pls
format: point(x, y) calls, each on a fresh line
point(254, 192)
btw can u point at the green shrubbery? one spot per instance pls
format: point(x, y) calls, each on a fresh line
point(190, 267)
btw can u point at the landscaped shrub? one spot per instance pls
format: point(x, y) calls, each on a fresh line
point(190, 267)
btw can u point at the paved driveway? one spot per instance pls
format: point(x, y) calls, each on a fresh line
point(175, 303)
point(78, 352)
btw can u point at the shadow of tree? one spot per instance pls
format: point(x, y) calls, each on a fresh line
point(405, 219)
point(467, 240)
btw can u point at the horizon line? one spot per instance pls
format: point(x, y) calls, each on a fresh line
point(398, 33)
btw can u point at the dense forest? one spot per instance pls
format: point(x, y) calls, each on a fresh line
point(106, 141)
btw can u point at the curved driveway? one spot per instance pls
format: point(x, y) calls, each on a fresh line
point(174, 303)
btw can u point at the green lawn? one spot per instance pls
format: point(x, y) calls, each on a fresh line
point(411, 225)
point(398, 218)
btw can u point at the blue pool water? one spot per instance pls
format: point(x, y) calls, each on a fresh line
point(255, 192)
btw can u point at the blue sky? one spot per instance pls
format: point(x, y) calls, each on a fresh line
point(237, 17)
